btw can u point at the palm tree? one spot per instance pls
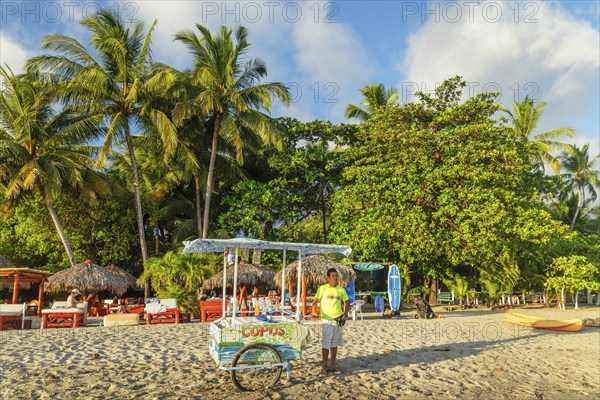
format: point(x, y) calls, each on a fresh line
point(157, 178)
point(525, 116)
point(227, 92)
point(39, 149)
point(580, 175)
point(116, 84)
point(375, 95)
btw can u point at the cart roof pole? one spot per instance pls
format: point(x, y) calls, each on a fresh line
point(235, 274)
point(298, 273)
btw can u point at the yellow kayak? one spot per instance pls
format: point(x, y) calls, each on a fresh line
point(567, 325)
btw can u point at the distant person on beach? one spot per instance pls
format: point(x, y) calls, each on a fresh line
point(73, 298)
point(122, 308)
point(334, 312)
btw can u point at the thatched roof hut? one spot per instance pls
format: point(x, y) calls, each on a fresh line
point(314, 269)
point(87, 277)
point(5, 262)
point(121, 273)
point(248, 275)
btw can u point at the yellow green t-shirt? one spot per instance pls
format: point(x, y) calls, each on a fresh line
point(330, 298)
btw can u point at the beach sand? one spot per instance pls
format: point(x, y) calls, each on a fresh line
point(471, 354)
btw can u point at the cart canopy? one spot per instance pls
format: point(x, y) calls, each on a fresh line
point(220, 245)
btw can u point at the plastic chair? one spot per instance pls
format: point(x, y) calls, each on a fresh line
point(357, 308)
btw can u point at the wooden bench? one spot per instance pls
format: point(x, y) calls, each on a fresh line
point(446, 297)
point(168, 312)
point(60, 316)
point(11, 314)
point(211, 310)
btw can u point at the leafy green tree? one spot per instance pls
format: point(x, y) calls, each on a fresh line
point(580, 175)
point(256, 207)
point(569, 274)
point(440, 183)
point(310, 165)
point(105, 233)
point(525, 116)
point(112, 81)
point(228, 92)
point(40, 149)
point(374, 96)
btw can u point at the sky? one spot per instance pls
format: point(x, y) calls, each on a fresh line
point(326, 51)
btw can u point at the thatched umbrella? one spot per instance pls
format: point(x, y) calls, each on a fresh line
point(314, 274)
point(5, 262)
point(121, 273)
point(88, 277)
point(248, 275)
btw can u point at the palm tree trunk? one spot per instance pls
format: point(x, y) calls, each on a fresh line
point(156, 237)
point(58, 225)
point(209, 178)
point(324, 211)
point(579, 206)
point(138, 210)
point(198, 205)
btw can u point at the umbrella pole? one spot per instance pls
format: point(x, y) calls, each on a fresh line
point(291, 290)
point(223, 301)
point(303, 295)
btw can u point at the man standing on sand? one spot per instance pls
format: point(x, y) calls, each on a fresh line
point(334, 309)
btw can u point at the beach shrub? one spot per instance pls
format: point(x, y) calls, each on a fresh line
point(180, 276)
point(570, 274)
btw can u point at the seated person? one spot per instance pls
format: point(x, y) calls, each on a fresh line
point(122, 308)
point(74, 298)
point(273, 300)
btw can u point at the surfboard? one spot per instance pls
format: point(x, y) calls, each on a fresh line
point(394, 286)
point(379, 306)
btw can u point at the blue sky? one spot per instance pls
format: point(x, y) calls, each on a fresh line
point(327, 51)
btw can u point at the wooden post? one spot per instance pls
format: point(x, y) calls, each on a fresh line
point(15, 297)
point(291, 290)
point(303, 294)
point(41, 296)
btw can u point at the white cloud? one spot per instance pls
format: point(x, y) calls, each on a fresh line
point(323, 62)
point(334, 64)
point(556, 60)
point(12, 54)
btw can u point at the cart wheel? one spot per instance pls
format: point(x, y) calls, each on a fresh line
point(260, 375)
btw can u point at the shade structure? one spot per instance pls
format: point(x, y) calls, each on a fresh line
point(19, 278)
point(248, 275)
point(121, 273)
point(87, 277)
point(314, 269)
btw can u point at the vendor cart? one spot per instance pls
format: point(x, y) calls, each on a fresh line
point(254, 349)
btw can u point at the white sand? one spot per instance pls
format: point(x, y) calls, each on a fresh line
point(466, 354)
